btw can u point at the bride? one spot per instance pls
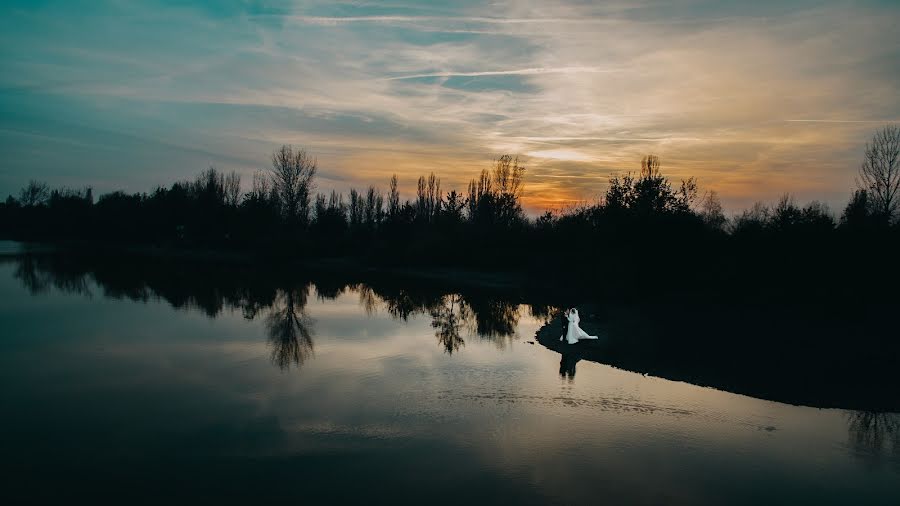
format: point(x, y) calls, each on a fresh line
point(574, 332)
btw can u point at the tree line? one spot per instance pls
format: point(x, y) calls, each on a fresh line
point(643, 218)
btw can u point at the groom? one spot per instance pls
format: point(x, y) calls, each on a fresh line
point(564, 320)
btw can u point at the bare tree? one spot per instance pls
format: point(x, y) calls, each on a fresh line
point(687, 194)
point(711, 211)
point(232, 184)
point(34, 194)
point(394, 198)
point(292, 176)
point(374, 207)
point(508, 176)
point(879, 174)
point(650, 167)
point(479, 190)
point(356, 208)
point(261, 187)
point(449, 318)
point(428, 197)
point(290, 329)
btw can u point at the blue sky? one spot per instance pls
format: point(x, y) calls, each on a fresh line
point(754, 98)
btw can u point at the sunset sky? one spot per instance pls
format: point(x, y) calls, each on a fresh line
point(754, 98)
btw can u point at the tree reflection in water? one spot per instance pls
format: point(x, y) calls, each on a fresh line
point(875, 435)
point(489, 318)
point(448, 318)
point(367, 299)
point(37, 276)
point(495, 320)
point(279, 299)
point(289, 328)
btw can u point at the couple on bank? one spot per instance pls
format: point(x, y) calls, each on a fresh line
point(573, 332)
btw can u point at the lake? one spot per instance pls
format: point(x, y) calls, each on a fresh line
point(164, 389)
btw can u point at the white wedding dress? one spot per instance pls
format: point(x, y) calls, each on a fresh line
point(574, 332)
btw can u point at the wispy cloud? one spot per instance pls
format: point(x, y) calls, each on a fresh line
point(513, 72)
point(841, 120)
point(579, 90)
point(340, 20)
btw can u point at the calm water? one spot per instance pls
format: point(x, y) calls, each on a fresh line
point(329, 395)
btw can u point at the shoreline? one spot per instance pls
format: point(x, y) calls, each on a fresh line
point(799, 354)
point(351, 266)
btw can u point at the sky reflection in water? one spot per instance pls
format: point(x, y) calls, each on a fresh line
point(328, 399)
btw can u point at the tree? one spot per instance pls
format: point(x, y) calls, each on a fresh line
point(448, 318)
point(209, 187)
point(687, 194)
point(652, 192)
point(619, 193)
point(428, 198)
point(858, 212)
point(290, 329)
point(35, 194)
point(879, 173)
point(453, 208)
point(394, 198)
point(753, 220)
point(232, 184)
point(711, 211)
point(479, 191)
point(292, 177)
point(374, 211)
point(494, 196)
point(509, 176)
point(356, 209)
point(650, 167)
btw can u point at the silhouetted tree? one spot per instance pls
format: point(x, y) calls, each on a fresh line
point(619, 193)
point(787, 216)
point(331, 215)
point(428, 198)
point(393, 198)
point(493, 199)
point(453, 208)
point(292, 176)
point(686, 195)
point(34, 194)
point(753, 220)
point(652, 192)
point(374, 209)
point(711, 212)
point(480, 194)
point(232, 184)
point(879, 174)
point(355, 209)
point(858, 212)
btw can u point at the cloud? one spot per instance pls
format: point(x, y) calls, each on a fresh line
point(518, 72)
point(880, 121)
point(754, 100)
point(341, 20)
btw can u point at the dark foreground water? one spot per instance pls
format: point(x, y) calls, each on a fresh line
point(320, 395)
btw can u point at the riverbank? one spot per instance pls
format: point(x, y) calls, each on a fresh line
point(819, 359)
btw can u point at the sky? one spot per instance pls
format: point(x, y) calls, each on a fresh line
point(755, 99)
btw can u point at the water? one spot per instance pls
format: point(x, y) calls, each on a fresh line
point(111, 393)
